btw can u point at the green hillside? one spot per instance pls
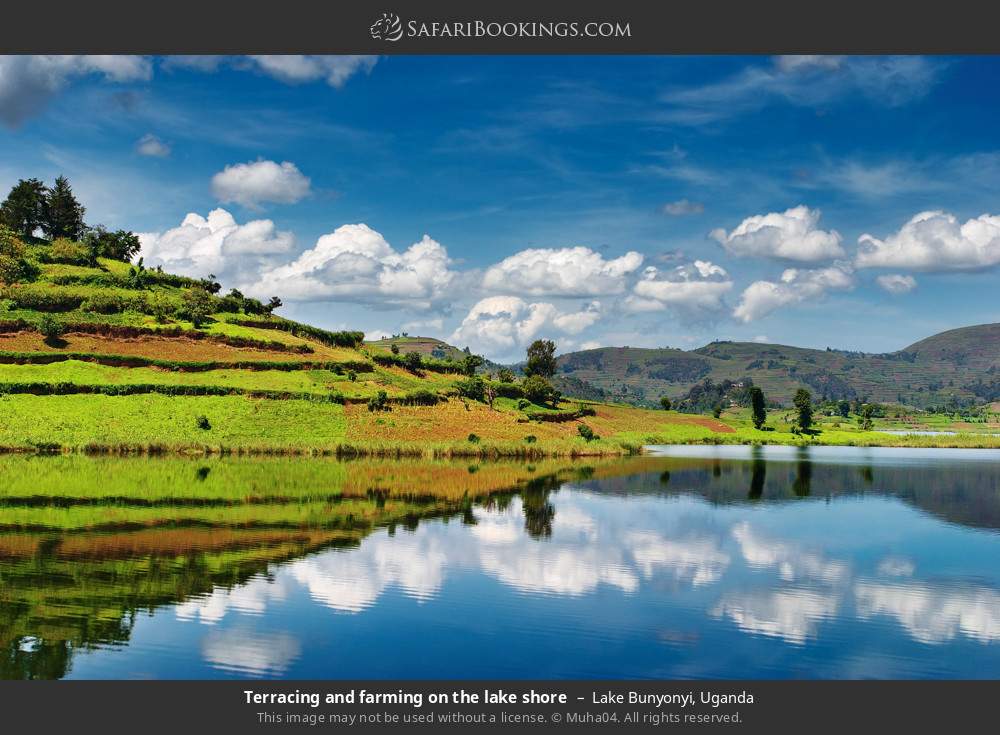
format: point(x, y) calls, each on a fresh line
point(100, 354)
point(955, 367)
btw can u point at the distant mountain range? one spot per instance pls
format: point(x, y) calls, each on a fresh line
point(960, 365)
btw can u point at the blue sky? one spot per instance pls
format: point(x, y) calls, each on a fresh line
point(644, 201)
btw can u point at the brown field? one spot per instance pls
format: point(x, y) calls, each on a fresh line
point(616, 419)
point(455, 420)
point(445, 422)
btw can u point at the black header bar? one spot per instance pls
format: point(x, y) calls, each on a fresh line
point(510, 27)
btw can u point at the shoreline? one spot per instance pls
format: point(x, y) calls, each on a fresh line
point(605, 448)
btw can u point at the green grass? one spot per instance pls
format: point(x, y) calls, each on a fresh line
point(238, 423)
point(88, 373)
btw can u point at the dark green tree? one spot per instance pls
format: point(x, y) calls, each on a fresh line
point(803, 407)
point(63, 214)
point(23, 209)
point(665, 403)
point(413, 362)
point(197, 305)
point(538, 390)
point(505, 375)
point(541, 358)
point(867, 412)
point(759, 407)
point(471, 363)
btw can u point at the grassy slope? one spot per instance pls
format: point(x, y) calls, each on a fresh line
point(928, 372)
point(239, 423)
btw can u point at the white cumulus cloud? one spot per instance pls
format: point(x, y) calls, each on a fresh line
point(500, 324)
point(790, 235)
point(354, 262)
point(697, 287)
point(216, 244)
point(577, 271)
point(254, 183)
point(935, 241)
point(761, 298)
point(896, 283)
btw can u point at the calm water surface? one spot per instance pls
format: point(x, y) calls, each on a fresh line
point(718, 562)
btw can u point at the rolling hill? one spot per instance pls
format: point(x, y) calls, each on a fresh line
point(960, 365)
point(100, 355)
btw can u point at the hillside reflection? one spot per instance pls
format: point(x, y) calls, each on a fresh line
point(90, 545)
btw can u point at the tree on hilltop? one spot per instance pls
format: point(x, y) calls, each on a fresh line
point(62, 213)
point(24, 208)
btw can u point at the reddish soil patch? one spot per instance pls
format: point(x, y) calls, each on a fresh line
point(713, 424)
point(163, 348)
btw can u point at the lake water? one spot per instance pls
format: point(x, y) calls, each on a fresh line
point(693, 562)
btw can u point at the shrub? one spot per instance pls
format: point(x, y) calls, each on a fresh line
point(665, 403)
point(111, 302)
point(202, 422)
point(44, 299)
point(413, 362)
point(14, 266)
point(51, 329)
point(352, 376)
point(538, 390)
point(472, 388)
point(530, 439)
point(420, 398)
point(161, 306)
point(64, 250)
point(474, 438)
point(197, 305)
point(522, 404)
point(379, 402)
point(394, 348)
point(586, 432)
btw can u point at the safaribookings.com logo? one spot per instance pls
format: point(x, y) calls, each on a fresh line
point(387, 28)
point(390, 28)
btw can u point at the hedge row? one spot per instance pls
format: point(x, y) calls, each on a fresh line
point(124, 331)
point(47, 358)
point(63, 388)
point(561, 416)
point(331, 339)
point(109, 280)
point(434, 366)
point(417, 398)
